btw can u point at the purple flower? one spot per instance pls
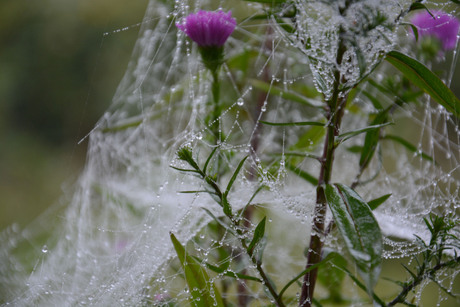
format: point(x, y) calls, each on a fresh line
point(207, 28)
point(442, 26)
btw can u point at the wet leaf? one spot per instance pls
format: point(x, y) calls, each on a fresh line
point(267, 1)
point(359, 229)
point(426, 80)
point(371, 139)
point(203, 292)
point(302, 174)
point(289, 95)
point(259, 233)
point(233, 274)
point(293, 123)
point(375, 203)
point(348, 135)
point(409, 146)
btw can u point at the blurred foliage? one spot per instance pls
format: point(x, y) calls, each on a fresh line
point(58, 74)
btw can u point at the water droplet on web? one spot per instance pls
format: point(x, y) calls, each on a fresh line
point(45, 249)
point(240, 102)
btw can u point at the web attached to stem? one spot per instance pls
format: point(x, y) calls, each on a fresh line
point(110, 245)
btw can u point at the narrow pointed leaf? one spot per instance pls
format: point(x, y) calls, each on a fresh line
point(229, 273)
point(302, 174)
point(359, 229)
point(373, 204)
point(203, 292)
point(267, 1)
point(293, 123)
point(371, 139)
point(259, 233)
point(409, 147)
point(209, 159)
point(220, 222)
point(348, 135)
point(426, 80)
point(234, 176)
point(301, 274)
point(289, 95)
point(374, 296)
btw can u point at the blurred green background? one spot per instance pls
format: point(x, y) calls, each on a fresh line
point(58, 72)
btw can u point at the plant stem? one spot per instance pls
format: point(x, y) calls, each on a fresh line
point(423, 274)
point(215, 122)
point(267, 282)
point(334, 113)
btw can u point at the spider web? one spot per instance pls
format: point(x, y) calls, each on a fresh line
point(109, 244)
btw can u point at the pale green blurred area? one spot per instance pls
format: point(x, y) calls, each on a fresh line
point(58, 73)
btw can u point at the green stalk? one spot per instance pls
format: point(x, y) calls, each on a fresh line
point(216, 108)
point(335, 110)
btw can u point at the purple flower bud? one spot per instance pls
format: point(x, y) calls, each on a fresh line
point(442, 26)
point(207, 28)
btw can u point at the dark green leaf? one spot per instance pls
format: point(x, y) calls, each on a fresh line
point(332, 277)
point(363, 287)
point(359, 229)
point(226, 207)
point(202, 290)
point(219, 221)
point(302, 174)
point(355, 149)
point(289, 95)
point(348, 135)
point(209, 159)
point(375, 102)
point(226, 272)
point(408, 146)
point(267, 1)
point(371, 139)
point(259, 233)
point(323, 261)
point(225, 204)
point(234, 176)
point(373, 204)
point(185, 170)
point(293, 123)
point(425, 80)
point(419, 6)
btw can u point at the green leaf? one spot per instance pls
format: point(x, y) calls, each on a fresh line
point(373, 204)
point(225, 203)
point(293, 123)
point(302, 174)
point(289, 95)
point(348, 135)
point(229, 273)
point(371, 139)
point(359, 284)
point(301, 274)
point(219, 221)
point(259, 233)
point(332, 278)
point(209, 159)
point(359, 229)
point(267, 1)
point(426, 80)
point(409, 146)
point(419, 6)
point(234, 176)
point(203, 292)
